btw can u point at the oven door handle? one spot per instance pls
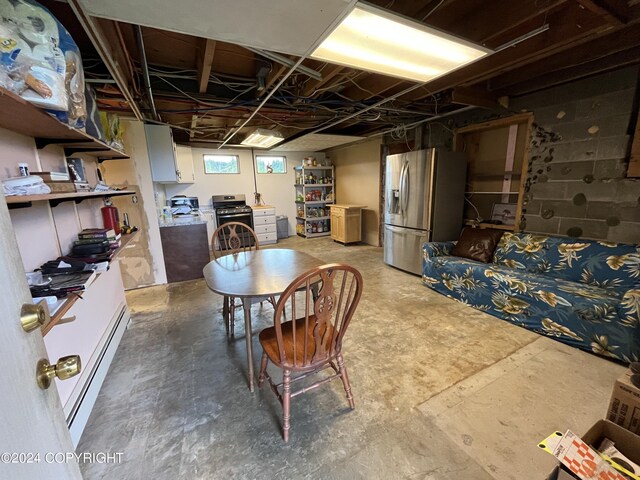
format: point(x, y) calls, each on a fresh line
point(235, 215)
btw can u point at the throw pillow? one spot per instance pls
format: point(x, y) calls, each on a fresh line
point(477, 244)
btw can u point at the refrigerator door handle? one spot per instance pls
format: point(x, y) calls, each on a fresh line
point(408, 231)
point(405, 189)
point(401, 184)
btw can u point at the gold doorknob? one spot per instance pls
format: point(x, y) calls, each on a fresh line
point(33, 316)
point(64, 368)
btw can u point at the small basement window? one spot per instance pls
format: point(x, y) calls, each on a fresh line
point(221, 164)
point(271, 164)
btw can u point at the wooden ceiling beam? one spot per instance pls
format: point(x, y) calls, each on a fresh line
point(474, 96)
point(598, 65)
point(207, 50)
point(614, 12)
point(570, 27)
point(370, 85)
point(107, 42)
point(274, 75)
point(489, 20)
point(194, 124)
point(312, 85)
point(596, 49)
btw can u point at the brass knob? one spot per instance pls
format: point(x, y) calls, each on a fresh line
point(64, 368)
point(33, 316)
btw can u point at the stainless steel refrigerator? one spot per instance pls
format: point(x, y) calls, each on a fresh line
point(424, 201)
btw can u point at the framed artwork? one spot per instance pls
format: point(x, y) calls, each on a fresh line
point(504, 213)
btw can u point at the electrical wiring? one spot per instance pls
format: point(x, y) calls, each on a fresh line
point(478, 217)
point(201, 101)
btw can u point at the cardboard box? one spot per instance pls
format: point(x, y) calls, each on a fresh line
point(626, 442)
point(624, 407)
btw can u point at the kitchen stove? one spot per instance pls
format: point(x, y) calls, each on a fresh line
point(233, 208)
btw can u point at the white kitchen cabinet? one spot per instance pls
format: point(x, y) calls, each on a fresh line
point(184, 161)
point(169, 163)
point(264, 224)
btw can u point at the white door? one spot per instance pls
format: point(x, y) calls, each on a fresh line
point(34, 438)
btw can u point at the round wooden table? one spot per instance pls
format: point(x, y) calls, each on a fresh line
point(258, 273)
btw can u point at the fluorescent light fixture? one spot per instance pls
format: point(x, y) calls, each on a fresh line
point(263, 138)
point(378, 41)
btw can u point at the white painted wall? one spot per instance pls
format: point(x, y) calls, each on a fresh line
point(277, 189)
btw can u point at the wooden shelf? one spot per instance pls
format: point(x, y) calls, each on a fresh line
point(75, 296)
point(124, 241)
point(22, 117)
point(313, 185)
point(313, 219)
point(23, 201)
point(509, 228)
point(313, 235)
point(315, 202)
point(59, 315)
point(312, 168)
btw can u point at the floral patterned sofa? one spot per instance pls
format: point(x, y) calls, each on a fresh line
point(581, 292)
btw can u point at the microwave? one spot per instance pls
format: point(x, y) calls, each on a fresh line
point(181, 204)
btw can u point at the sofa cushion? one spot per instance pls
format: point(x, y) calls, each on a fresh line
point(477, 244)
point(601, 264)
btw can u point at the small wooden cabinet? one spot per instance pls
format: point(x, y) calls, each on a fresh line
point(346, 223)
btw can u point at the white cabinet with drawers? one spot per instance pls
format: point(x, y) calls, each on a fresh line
point(264, 224)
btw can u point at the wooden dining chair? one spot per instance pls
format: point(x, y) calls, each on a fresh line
point(230, 239)
point(312, 340)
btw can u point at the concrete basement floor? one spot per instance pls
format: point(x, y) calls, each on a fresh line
point(442, 391)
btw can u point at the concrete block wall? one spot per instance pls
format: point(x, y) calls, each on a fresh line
point(576, 184)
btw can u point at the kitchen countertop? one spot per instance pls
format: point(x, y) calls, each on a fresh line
point(183, 224)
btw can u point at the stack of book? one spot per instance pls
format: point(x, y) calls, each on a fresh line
point(59, 182)
point(95, 241)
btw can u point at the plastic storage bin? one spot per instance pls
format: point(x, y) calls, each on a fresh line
point(283, 226)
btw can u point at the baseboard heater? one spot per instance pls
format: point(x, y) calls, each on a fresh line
point(79, 414)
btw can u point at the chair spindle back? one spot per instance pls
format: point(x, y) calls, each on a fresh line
point(322, 302)
point(232, 238)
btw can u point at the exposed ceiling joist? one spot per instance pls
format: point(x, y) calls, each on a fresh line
point(110, 50)
point(599, 49)
point(599, 65)
point(615, 12)
point(474, 96)
point(489, 20)
point(328, 74)
point(194, 124)
point(570, 27)
point(205, 61)
point(274, 76)
point(370, 86)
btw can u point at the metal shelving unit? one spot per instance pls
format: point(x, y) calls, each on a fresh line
point(311, 183)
